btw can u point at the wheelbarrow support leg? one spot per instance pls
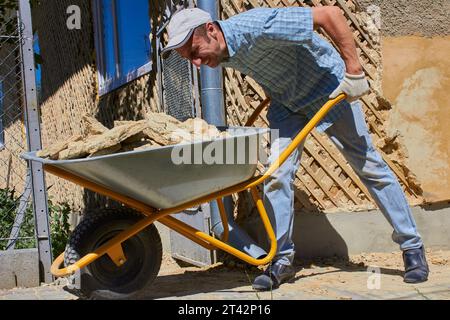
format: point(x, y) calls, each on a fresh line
point(116, 254)
point(223, 216)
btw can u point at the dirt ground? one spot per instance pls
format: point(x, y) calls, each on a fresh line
point(333, 278)
point(337, 279)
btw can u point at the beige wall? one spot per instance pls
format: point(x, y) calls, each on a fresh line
point(416, 73)
point(416, 79)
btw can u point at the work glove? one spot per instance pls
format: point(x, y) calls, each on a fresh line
point(353, 85)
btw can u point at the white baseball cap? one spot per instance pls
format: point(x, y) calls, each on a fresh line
point(182, 25)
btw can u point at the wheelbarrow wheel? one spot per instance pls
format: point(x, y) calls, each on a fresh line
point(102, 279)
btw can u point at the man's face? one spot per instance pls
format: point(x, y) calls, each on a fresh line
point(203, 47)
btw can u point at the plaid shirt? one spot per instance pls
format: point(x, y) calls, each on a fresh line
point(294, 65)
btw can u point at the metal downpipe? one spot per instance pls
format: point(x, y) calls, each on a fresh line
point(213, 110)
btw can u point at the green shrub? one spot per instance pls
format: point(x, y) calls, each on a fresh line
point(59, 215)
point(59, 226)
point(9, 203)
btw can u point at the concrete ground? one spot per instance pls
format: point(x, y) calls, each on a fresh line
point(363, 276)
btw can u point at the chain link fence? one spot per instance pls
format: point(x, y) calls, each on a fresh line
point(16, 210)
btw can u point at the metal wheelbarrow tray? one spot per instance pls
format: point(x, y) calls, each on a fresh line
point(165, 177)
point(150, 183)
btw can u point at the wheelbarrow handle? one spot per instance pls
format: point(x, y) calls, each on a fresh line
point(299, 138)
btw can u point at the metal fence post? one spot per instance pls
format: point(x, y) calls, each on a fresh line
point(40, 205)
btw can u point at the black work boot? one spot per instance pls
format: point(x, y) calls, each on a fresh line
point(416, 267)
point(273, 277)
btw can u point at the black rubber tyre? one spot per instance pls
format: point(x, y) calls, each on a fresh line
point(102, 279)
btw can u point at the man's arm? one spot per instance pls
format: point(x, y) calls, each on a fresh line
point(331, 20)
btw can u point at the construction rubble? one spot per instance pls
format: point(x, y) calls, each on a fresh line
point(157, 130)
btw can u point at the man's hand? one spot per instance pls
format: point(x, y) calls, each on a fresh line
point(353, 85)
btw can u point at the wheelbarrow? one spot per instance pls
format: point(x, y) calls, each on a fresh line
point(118, 252)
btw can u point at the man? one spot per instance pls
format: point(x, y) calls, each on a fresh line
point(300, 71)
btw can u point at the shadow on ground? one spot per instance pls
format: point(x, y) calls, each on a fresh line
point(236, 281)
point(239, 281)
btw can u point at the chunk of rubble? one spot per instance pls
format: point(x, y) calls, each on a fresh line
point(158, 130)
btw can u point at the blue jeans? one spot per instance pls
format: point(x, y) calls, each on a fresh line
point(351, 136)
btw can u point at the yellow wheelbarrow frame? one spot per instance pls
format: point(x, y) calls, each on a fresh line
point(113, 248)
